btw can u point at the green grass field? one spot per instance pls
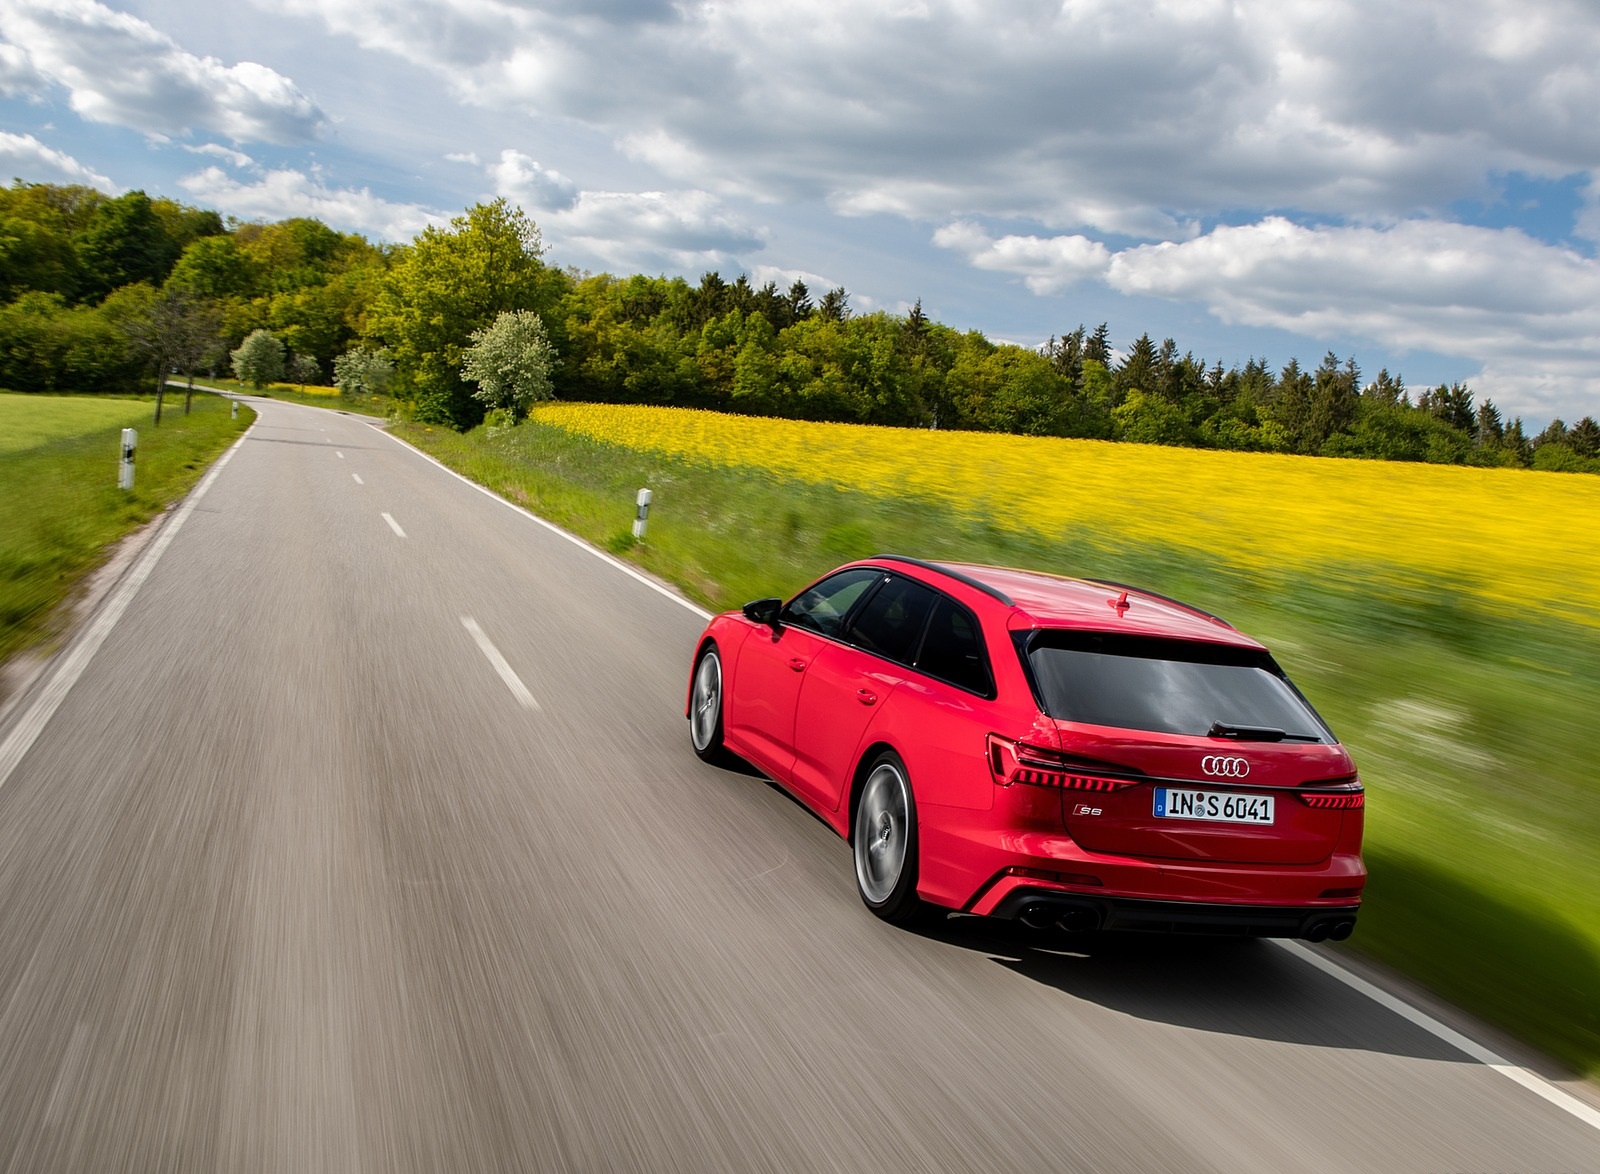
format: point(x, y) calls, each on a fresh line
point(1472, 730)
point(27, 421)
point(58, 478)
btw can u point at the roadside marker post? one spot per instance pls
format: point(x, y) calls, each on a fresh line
point(235, 409)
point(130, 443)
point(642, 518)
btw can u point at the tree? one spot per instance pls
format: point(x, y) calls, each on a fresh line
point(169, 330)
point(360, 371)
point(449, 283)
point(302, 369)
point(1138, 370)
point(1584, 437)
point(123, 244)
point(259, 359)
point(1098, 347)
point(510, 361)
point(835, 305)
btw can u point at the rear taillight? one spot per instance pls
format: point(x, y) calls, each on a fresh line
point(1340, 797)
point(1018, 762)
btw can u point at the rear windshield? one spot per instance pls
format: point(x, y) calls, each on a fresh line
point(1165, 686)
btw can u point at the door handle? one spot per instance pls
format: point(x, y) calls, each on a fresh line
point(866, 696)
point(797, 663)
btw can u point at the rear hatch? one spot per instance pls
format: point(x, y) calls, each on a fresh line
point(1187, 751)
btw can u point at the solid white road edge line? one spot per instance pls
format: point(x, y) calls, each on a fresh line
point(394, 525)
point(32, 723)
point(501, 665)
point(1534, 1083)
point(357, 478)
point(557, 530)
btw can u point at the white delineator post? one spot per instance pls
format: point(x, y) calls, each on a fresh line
point(130, 443)
point(642, 518)
point(235, 409)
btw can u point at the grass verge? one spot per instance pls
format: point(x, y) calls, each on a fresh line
point(63, 508)
point(309, 396)
point(1471, 728)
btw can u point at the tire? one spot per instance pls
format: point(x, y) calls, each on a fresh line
point(705, 707)
point(883, 842)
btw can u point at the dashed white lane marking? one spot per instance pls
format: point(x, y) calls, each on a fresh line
point(394, 525)
point(1535, 1084)
point(338, 454)
point(618, 564)
point(507, 673)
point(32, 723)
point(357, 478)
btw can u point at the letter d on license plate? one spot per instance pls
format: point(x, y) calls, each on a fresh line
point(1219, 806)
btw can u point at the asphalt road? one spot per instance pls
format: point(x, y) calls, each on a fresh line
point(295, 880)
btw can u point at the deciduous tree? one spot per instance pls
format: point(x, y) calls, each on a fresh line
point(510, 361)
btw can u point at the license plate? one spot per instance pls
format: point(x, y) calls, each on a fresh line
point(1220, 806)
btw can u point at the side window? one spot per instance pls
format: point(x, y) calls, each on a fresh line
point(823, 606)
point(891, 622)
point(953, 648)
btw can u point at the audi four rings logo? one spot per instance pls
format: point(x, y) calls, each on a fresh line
point(1227, 768)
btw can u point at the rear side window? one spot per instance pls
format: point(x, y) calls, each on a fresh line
point(823, 606)
point(890, 623)
point(953, 648)
point(1165, 686)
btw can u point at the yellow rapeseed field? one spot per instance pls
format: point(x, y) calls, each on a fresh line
point(1520, 540)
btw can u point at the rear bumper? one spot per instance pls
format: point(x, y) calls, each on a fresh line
point(1081, 912)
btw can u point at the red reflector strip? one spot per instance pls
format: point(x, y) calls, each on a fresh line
point(1051, 778)
point(1060, 878)
point(1341, 801)
point(1339, 893)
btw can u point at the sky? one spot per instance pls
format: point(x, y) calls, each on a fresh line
point(1416, 184)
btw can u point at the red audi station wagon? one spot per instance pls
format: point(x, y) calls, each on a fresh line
point(1067, 752)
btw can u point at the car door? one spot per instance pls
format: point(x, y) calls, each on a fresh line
point(760, 715)
point(847, 682)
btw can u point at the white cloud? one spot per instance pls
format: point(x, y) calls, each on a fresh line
point(119, 69)
point(521, 179)
point(237, 159)
point(18, 77)
point(1046, 264)
point(1128, 116)
point(654, 230)
point(27, 158)
point(816, 283)
point(463, 157)
point(1527, 311)
point(282, 194)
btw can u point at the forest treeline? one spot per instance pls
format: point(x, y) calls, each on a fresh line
point(99, 293)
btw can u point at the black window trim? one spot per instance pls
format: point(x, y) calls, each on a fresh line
point(850, 613)
point(884, 575)
point(922, 636)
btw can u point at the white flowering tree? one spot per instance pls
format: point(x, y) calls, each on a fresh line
point(510, 360)
point(259, 359)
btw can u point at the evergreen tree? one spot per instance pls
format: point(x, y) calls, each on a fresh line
point(1584, 437)
point(1138, 370)
point(835, 305)
point(1491, 429)
point(1098, 347)
point(800, 306)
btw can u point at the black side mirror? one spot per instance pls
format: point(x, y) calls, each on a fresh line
point(764, 611)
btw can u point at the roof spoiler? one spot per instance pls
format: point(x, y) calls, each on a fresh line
point(975, 584)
